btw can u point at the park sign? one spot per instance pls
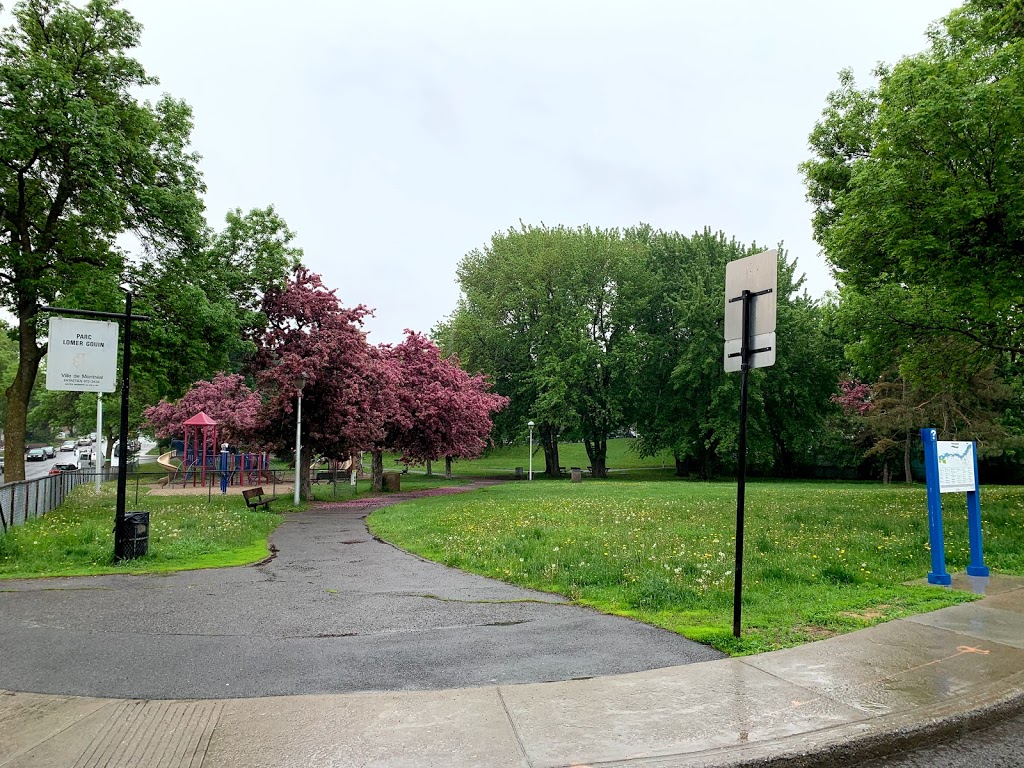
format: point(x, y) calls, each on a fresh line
point(952, 467)
point(81, 355)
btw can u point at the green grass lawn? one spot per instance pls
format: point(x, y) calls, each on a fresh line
point(821, 559)
point(504, 459)
point(185, 533)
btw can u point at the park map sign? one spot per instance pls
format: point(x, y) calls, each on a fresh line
point(81, 355)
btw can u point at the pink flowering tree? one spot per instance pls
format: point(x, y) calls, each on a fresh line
point(347, 391)
point(226, 399)
point(854, 397)
point(446, 412)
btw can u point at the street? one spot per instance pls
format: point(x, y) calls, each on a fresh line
point(35, 469)
point(999, 746)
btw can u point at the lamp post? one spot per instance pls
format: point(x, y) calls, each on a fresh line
point(299, 382)
point(530, 425)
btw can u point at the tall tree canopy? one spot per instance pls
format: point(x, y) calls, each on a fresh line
point(349, 386)
point(918, 188)
point(687, 403)
point(448, 412)
point(591, 332)
point(918, 182)
point(81, 162)
point(540, 314)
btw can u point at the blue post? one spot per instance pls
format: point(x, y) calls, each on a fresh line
point(224, 468)
point(938, 574)
point(977, 566)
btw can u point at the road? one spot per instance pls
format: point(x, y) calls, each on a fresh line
point(1000, 746)
point(34, 469)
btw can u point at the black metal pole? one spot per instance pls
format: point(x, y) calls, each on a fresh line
point(741, 472)
point(122, 451)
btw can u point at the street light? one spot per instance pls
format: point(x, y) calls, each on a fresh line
point(299, 382)
point(530, 425)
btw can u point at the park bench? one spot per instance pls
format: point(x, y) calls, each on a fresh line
point(254, 499)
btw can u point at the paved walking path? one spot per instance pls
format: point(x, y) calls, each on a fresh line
point(336, 611)
point(836, 700)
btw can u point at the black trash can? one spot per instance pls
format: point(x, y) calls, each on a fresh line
point(136, 535)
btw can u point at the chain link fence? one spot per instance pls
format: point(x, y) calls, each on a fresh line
point(26, 499)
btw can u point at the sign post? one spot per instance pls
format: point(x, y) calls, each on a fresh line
point(952, 467)
point(88, 379)
point(751, 285)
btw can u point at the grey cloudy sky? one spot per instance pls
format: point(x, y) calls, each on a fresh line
point(394, 136)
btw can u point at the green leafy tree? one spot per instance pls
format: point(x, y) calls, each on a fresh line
point(917, 182)
point(540, 313)
point(81, 162)
point(688, 404)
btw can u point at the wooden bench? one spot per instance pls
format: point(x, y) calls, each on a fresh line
point(254, 499)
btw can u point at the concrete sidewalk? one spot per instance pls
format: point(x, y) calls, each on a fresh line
point(833, 702)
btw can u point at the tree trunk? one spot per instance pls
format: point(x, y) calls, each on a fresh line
point(906, 460)
point(377, 471)
point(680, 468)
point(448, 467)
point(597, 452)
point(429, 473)
point(549, 439)
point(305, 471)
point(18, 395)
point(885, 473)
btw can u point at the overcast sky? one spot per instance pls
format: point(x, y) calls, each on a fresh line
point(394, 136)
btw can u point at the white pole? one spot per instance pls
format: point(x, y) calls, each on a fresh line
point(98, 444)
point(531, 451)
point(298, 450)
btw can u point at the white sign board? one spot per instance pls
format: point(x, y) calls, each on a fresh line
point(765, 359)
point(956, 467)
point(758, 274)
point(82, 355)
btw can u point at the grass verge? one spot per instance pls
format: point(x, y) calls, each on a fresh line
point(821, 559)
point(185, 533)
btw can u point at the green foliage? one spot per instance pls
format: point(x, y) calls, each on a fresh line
point(917, 189)
point(185, 533)
point(593, 332)
point(686, 403)
point(541, 314)
point(81, 162)
point(821, 559)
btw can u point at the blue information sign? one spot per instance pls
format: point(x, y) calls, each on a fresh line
point(952, 467)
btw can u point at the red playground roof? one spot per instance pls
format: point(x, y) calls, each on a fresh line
point(202, 420)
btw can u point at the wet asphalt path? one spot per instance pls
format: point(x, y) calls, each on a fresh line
point(335, 611)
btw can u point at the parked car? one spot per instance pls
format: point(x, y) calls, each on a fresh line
point(35, 454)
point(50, 452)
point(68, 445)
point(60, 466)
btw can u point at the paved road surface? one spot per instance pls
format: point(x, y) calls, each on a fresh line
point(335, 611)
point(1000, 746)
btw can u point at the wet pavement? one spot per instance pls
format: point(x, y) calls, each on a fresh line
point(334, 612)
point(840, 701)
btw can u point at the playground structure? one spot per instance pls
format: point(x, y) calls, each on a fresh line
point(202, 459)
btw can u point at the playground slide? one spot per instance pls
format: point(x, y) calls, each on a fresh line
point(164, 460)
